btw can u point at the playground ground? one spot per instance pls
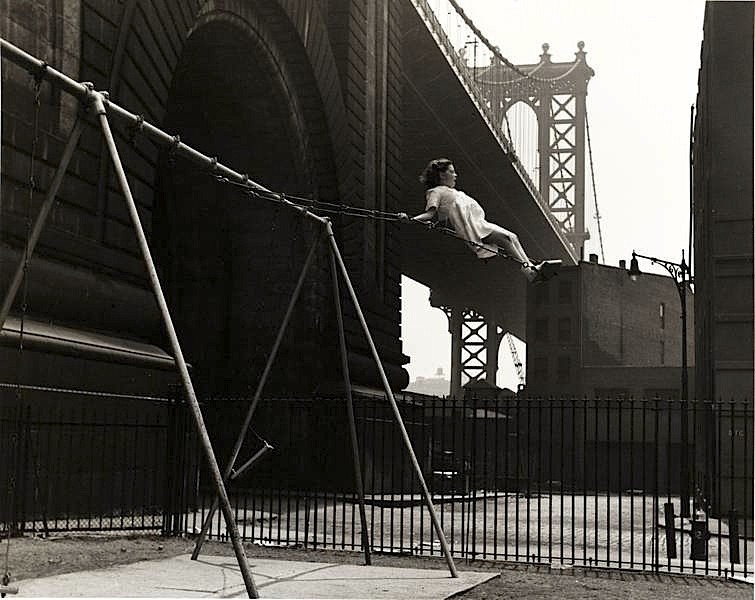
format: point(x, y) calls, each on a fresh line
point(30, 559)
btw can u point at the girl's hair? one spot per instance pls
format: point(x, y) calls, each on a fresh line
point(431, 175)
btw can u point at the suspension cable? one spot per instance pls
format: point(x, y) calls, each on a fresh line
point(594, 191)
point(497, 53)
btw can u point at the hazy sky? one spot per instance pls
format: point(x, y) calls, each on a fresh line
point(646, 57)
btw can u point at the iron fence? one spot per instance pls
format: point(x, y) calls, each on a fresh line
point(593, 482)
point(75, 460)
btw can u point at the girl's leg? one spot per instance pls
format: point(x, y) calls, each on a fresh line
point(509, 241)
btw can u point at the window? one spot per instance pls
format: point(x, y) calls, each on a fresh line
point(564, 329)
point(662, 314)
point(663, 352)
point(541, 294)
point(540, 368)
point(541, 330)
point(565, 292)
point(563, 369)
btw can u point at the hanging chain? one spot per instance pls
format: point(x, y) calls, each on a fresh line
point(305, 204)
point(6, 577)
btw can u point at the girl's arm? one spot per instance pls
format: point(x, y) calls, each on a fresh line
point(428, 216)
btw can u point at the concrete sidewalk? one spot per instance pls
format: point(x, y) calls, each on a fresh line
point(219, 576)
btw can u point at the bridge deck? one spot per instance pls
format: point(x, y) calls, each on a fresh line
point(441, 119)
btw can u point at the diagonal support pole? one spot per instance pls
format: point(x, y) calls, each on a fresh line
point(257, 394)
point(251, 589)
point(39, 223)
point(349, 404)
point(392, 401)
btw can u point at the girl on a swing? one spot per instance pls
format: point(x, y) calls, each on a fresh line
point(446, 204)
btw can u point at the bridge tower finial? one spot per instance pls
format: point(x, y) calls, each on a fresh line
point(545, 56)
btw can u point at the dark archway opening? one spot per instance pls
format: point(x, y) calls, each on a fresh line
point(229, 261)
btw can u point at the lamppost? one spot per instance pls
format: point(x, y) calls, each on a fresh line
point(682, 276)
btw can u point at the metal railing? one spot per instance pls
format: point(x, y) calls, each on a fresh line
point(469, 54)
point(74, 460)
point(584, 482)
point(568, 482)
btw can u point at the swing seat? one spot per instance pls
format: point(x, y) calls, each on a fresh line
point(8, 589)
point(547, 269)
point(248, 464)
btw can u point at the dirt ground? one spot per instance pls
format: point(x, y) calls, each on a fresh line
point(32, 557)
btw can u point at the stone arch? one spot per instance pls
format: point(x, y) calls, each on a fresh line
point(133, 48)
point(522, 120)
point(229, 261)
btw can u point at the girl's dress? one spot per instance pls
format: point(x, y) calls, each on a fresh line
point(465, 216)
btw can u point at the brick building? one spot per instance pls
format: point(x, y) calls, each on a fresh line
point(723, 201)
point(723, 195)
point(592, 331)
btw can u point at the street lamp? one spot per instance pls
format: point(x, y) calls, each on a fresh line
point(680, 273)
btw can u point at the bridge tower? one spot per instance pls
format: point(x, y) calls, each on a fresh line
point(556, 92)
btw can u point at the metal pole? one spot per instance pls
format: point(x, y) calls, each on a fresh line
point(39, 223)
point(176, 347)
point(257, 395)
point(685, 495)
point(394, 406)
point(349, 404)
point(160, 137)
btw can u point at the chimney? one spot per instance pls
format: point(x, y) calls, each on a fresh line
point(594, 259)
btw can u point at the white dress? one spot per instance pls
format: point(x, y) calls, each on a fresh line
point(465, 216)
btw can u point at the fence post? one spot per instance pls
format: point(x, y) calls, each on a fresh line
point(668, 511)
point(733, 537)
point(170, 464)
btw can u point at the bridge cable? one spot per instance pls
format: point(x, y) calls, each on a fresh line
point(594, 192)
point(497, 53)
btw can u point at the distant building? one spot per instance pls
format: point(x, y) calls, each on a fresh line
point(591, 331)
point(432, 386)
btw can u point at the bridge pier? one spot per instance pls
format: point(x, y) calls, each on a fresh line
point(475, 341)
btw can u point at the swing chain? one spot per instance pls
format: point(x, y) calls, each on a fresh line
point(5, 581)
point(173, 149)
point(39, 75)
point(135, 128)
point(10, 524)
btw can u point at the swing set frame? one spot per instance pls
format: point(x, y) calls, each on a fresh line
point(98, 102)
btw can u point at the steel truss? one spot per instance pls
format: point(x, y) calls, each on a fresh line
point(559, 103)
point(475, 341)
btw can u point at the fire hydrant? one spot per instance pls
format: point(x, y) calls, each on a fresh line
point(700, 536)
